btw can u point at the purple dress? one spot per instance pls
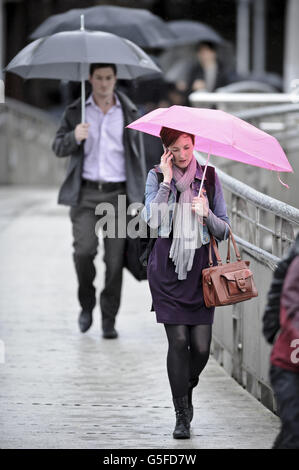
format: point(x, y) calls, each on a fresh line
point(181, 302)
point(178, 302)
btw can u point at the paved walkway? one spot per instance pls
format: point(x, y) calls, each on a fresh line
point(64, 389)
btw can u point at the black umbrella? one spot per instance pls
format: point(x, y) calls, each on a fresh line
point(192, 32)
point(138, 25)
point(67, 56)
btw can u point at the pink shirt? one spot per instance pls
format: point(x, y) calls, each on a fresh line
point(104, 155)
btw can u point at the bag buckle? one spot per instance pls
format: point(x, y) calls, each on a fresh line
point(241, 283)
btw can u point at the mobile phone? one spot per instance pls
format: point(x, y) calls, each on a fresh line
point(166, 149)
point(171, 155)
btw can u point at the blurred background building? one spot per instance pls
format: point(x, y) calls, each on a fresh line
point(258, 32)
point(257, 53)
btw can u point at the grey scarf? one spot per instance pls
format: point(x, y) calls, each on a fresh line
point(186, 225)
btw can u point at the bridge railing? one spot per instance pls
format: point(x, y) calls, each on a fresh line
point(264, 229)
point(274, 113)
point(263, 221)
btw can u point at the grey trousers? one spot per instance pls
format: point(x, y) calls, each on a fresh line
point(85, 246)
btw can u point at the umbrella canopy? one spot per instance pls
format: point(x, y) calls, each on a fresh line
point(219, 133)
point(191, 32)
point(59, 56)
point(138, 25)
point(67, 56)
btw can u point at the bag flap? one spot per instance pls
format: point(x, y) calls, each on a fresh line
point(234, 275)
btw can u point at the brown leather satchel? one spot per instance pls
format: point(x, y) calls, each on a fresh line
point(227, 284)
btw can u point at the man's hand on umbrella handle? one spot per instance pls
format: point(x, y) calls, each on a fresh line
point(166, 166)
point(200, 206)
point(81, 132)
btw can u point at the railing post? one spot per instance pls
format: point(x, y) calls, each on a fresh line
point(287, 234)
point(257, 228)
point(276, 239)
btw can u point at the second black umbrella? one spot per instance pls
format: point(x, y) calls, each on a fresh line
point(136, 24)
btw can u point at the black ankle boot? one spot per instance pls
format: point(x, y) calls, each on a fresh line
point(182, 426)
point(192, 385)
point(85, 320)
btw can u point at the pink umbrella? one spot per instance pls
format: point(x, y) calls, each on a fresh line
point(219, 133)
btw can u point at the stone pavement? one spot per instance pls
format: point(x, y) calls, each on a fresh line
point(64, 389)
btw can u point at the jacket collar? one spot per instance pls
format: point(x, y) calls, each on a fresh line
point(124, 101)
point(90, 101)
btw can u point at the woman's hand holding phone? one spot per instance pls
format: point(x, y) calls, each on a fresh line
point(166, 165)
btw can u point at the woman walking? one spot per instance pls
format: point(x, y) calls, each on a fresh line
point(176, 261)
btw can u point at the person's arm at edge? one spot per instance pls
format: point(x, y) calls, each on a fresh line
point(290, 296)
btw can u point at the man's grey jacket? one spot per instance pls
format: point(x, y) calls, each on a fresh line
point(65, 145)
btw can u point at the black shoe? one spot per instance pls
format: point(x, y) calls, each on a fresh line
point(85, 320)
point(182, 426)
point(110, 333)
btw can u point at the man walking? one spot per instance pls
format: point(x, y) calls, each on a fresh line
point(106, 161)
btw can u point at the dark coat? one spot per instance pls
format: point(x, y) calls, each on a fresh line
point(65, 145)
point(287, 341)
point(271, 320)
point(197, 72)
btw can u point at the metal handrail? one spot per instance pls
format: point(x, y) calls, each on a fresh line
point(266, 111)
point(233, 98)
point(259, 199)
point(286, 216)
point(247, 86)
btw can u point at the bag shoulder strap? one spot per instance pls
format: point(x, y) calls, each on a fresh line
point(219, 260)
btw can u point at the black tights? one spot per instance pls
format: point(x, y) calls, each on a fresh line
point(188, 353)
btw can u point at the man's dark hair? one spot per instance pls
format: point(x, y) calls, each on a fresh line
point(211, 45)
point(93, 67)
point(169, 136)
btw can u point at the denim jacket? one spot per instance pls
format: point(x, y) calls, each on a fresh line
point(164, 221)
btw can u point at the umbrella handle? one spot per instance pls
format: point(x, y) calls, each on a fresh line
point(82, 96)
point(204, 172)
point(82, 80)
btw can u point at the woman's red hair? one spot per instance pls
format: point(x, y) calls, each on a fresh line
point(169, 136)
